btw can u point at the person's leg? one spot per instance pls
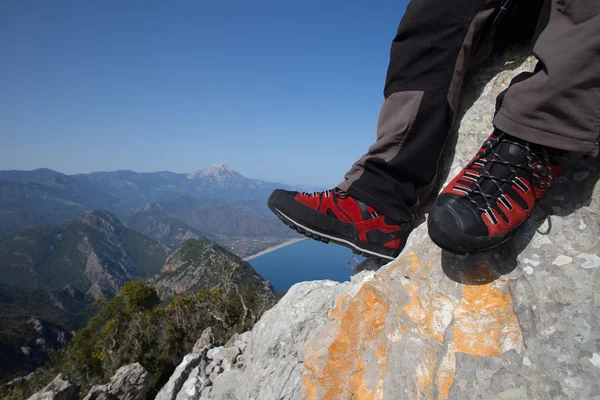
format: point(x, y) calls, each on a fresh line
point(371, 211)
point(558, 105)
point(552, 109)
point(429, 59)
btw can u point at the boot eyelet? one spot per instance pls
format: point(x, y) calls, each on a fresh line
point(541, 170)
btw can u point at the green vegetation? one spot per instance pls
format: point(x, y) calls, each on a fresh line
point(132, 327)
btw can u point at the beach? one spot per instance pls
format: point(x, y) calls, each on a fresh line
point(270, 249)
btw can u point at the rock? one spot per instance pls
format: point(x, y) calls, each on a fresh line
point(432, 324)
point(216, 372)
point(130, 382)
point(206, 393)
point(517, 322)
point(224, 386)
point(179, 377)
point(225, 356)
point(194, 385)
point(277, 342)
point(205, 342)
point(59, 389)
point(211, 367)
point(232, 340)
point(100, 392)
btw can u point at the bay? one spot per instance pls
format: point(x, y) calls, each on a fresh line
point(307, 260)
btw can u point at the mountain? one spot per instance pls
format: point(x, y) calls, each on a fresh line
point(36, 323)
point(94, 253)
point(216, 182)
point(171, 232)
point(43, 196)
point(232, 219)
point(207, 293)
point(200, 265)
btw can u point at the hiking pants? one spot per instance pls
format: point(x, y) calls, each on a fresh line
point(558, 105)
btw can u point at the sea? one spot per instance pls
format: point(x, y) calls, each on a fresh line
point(307, 260)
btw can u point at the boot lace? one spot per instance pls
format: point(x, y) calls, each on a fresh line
point(339, 192)
point(537, 163)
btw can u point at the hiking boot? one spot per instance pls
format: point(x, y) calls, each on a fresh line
point(335, 216)
point(493, 195)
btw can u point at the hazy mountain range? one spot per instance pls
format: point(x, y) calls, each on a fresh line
point(210, 202)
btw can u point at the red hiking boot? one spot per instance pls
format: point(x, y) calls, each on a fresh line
point(335, 216)
point(493, 195)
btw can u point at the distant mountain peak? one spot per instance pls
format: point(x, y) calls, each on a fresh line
point(213, 170)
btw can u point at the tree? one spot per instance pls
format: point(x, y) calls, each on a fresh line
point(139, 296)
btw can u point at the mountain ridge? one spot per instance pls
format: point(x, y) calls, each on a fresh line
point(94, 253)
point(43, 196)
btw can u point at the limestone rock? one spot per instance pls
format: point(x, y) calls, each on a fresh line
point(205, 342)
point(502, 324)
point(130, 382)
point(179, 377)
point(59, 389)
point(194, 385)
point(274, 353)
point(510, 323)
point(100, 392)
point(224, 355)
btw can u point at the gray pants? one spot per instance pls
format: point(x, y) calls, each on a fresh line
point(558, 105)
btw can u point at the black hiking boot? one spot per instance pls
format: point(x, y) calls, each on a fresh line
point(335, 216)
point(493, 195)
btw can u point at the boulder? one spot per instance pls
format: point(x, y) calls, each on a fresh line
point(59, 389)
point(519, 321)
point(130, 382)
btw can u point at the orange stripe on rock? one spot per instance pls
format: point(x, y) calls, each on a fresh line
point(484, 321)
point(362, 329)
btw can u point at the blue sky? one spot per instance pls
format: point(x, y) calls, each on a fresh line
point(285, 91)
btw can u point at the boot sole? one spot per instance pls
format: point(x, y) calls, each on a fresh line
point(326, 238)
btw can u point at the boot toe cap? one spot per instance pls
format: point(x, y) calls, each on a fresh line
point(456, 226)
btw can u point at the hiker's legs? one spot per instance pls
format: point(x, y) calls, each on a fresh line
point(559, 104)
point(552, 109)
point(371, 212)
point(429, 58)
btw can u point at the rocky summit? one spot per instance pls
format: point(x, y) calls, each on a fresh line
point(518, 322)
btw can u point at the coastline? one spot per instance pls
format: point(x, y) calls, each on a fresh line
point(270, 249)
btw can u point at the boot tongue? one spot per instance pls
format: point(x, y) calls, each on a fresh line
point(514, 150)
point(508, 152)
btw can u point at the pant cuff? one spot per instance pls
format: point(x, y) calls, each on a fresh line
point(544, 138)
point(398, 215)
